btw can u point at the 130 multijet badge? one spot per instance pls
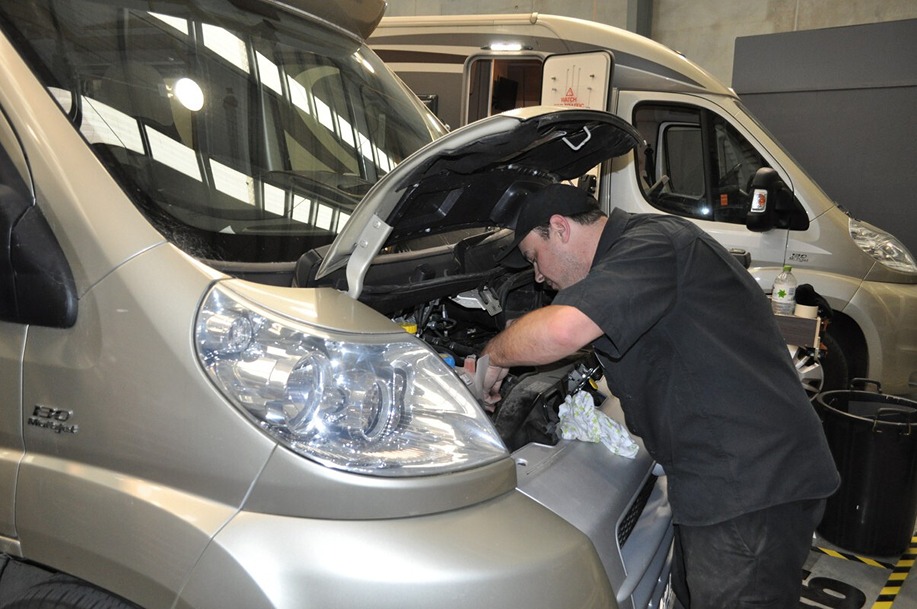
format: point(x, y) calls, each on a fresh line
point(53, 419)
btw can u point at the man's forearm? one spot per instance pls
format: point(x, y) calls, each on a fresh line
point(541, 337)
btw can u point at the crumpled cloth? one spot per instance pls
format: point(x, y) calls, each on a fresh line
point(581, 420)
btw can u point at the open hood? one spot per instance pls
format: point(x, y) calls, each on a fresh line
point(473, 177)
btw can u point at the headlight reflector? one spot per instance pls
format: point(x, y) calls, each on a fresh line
point(383, 405)
point(882, 246)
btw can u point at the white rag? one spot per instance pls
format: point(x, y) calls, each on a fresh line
point(581, 420)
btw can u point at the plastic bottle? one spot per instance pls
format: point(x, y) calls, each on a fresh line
point(783, 297)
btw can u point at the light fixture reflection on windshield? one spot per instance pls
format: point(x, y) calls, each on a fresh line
point(362, 61)
point(189, 93)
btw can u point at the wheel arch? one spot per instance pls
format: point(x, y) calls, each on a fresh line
point(852, 341)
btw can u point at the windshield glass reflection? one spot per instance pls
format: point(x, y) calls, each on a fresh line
point(242, 137)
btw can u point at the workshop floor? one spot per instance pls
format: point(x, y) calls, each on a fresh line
point(839, 579)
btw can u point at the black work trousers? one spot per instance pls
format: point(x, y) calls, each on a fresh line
point(754, 560)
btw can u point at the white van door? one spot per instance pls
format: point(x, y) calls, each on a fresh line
point(697, 163)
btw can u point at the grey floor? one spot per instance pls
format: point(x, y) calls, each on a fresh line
point(840, 579)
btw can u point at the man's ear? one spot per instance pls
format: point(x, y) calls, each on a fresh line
point(560, 225)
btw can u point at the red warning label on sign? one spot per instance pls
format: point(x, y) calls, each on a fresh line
point(569, 99)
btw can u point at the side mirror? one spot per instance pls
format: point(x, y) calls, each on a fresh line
point(773, 204)
point(36, 284)
point(762, 215)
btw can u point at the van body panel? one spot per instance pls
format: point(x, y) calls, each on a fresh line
point(128, 391)
point(131, 436)
point(429, 53)
point(321, 307)
point(12, 344)
point(134, 537)
point(541, 33)
point(509, 551)
point(646, 73)
point(826, 247)
point(883, 310)
point(335, 495)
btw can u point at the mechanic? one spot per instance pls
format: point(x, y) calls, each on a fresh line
point(690, 346)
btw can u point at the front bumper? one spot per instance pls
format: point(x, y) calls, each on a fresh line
point(631, 532)
point(507, 552)
point(584, 529)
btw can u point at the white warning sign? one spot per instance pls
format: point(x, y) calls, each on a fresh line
point(580, 80)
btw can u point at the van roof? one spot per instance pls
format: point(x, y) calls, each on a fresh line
point(640, 63)
point(359, 17)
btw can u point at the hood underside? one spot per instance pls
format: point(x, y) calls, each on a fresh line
point(476, 176)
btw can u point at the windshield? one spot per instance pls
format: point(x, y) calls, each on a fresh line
point(242, 136)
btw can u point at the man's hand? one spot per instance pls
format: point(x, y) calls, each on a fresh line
point(493, 378)
point(540, 337)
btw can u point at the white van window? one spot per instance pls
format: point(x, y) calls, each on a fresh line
point(241, 140)
point(694, 163)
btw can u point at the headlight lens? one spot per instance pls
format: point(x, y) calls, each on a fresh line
point(361, 403)
point(882, 246)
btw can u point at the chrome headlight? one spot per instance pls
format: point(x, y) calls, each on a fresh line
point(383, 405)
point(882, 246)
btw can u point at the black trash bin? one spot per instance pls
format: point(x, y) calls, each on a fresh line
point(873, 438)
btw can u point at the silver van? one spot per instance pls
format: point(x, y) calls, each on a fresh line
point(243, 272)
point(702, 152)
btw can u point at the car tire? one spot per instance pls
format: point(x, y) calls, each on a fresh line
point(63, 592)
point(834, 365)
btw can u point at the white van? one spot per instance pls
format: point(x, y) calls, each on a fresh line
point(701, 154)
point(241, 269)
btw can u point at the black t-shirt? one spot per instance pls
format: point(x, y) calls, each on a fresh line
point(704, 376)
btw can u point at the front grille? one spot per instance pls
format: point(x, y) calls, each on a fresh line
point(633, 513)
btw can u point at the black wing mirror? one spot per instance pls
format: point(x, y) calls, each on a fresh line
point(36, 284)
point(773, 204)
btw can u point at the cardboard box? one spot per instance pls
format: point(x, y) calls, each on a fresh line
point(800, 331)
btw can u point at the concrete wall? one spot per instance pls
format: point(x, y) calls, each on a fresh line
point(703, 30)
point(613, 12)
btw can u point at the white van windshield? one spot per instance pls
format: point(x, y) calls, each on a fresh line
point(242, 136)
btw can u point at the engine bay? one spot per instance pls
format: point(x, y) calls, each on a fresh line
point(448, 291)
point(458, 328)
